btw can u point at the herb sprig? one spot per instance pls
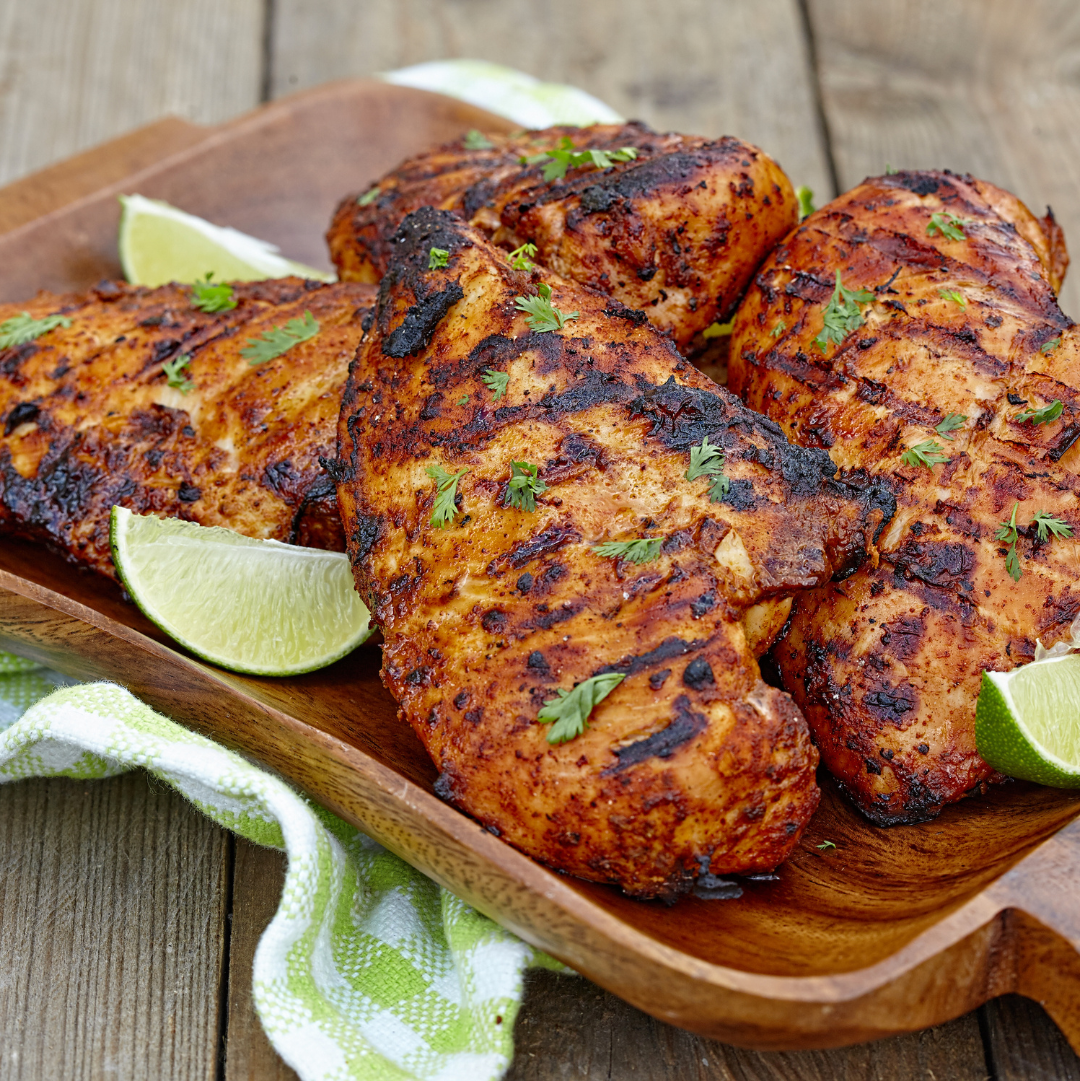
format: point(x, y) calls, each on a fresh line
point(843, 314)
point(928, 453)
point(778, 329)
point(950, 424)
point(718, 330)
point(642, 550)
point(446, 484)
point(947, 225)
point(565, 157)
point(542, 314)
point(955, 296)
point(437, 257)
point(1042, 415)
point(368, 197)
point(212, 297)
point(1046, 525)
point(174, 373)
point(496, 382)
point(476, 140)
point(571, 709)
point(708, 461)
point(806, 201)
point(524, 486)
point(277, 341)
point(522, 258)
point(1048, 347)
point(20, 329)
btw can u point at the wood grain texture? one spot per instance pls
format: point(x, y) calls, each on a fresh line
point(258, 879)
point(990, 87)
point(726, 67)
point(1023, 1045)
point(112, 907)
point(75, 74)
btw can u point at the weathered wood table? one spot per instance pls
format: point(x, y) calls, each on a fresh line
point(128, 922)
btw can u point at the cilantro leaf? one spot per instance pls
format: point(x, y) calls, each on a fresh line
point(642, 550)
point(437, 257)
point(1048, 347)
point(890, 170)
point(1043, 415)
point(20, 329)
point(1007, 532)
point(524, 486)
point(476, 140)
point(947, 225)
point(369, 196)
point(842, 314)
point(521, 258)
point(950, 424)
point(1044, 523)
point(955, 296)
point(463, 399)
point(174, 375)
point(279, 340)
point(718, 330)
point(778, 329)
point(445, 494)
point(542, 314)
point(561, 160)
point(929, 453)
point(826, 844)
point(571, 709)
point(806, 202)
point(212, 298)
point(496, 382)
point(708, 461)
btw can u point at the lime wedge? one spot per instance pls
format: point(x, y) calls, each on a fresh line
point(160, 244)
point(1027, 721)
point(255, 606)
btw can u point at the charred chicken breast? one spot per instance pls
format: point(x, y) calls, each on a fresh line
point(675, 231)
point(135, 396)
point(515, 494)
point(950, 374)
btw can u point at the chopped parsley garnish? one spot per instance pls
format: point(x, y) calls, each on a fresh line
point(929, 453)
point(437, 257)
point(950, 424)
point(369, 196)
point(279, 340)
point(642, 550)
point(718, 330)
point(463, 399)
point(476, 140)
point(496, 382)
point(1043, 415)
point(524, 486)
point(708, 461)
point(445, 494)
point(826, 844)
point(1045, 523)
point(521, 258)
point(20, 329)
point(890, 170)
point(1007, 532)
point(1048, 347)
point(560, 161)
point(947, 225)
point(955, 296)
point(211, 298)
point(542, 314)
point(806, 202)
point(842, 314)
point(174, 374)
point(570, 710)
point(778, 329)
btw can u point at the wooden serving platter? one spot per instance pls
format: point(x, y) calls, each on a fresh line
point(887, 932)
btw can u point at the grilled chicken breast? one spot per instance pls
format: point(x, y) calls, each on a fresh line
point(691, 766)
point(677, 232)
point(89, 418)
point(960, 340)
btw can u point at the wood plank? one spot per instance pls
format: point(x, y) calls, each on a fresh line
point(1024, 1044)
point(987, 88)
point(569, 1028)
point(719, 68)
point(258, 878)
point(75, 74)
point(112, 909)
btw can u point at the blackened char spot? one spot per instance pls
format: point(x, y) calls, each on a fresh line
point(494, 621)
point(364, 535)
point(547, 540)
point(420, 322)
point(935, 562)
point(595, 199)
point(668, 649)
point(698, 674)
point(21, 413)
point(888, 705)
point(188, 493)
point(620, 311)
point(684, 726)
point(919, 183)
point(537, 661)
point(658, 679)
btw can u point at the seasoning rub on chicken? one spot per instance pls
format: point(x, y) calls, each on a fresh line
point(143, 398)
point(673, 225)
point(574, 544)
point(911, 328)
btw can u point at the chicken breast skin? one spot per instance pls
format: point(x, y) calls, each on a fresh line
point(692, 765)
point(676, 233)
point(89, 418)
point(962, 329)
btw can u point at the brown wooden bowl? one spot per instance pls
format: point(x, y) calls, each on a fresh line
point(889, 931)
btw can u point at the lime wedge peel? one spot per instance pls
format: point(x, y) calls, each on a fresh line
point(1027, 721)
point(159, 243)
point(254, 606)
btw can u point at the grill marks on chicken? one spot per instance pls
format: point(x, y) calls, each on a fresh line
point(692, 765)
point(887, 664)
point(89, 419)
point(675, 233)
